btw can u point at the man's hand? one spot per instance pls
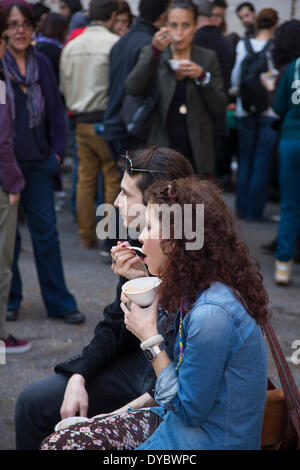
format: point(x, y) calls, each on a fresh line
point(58, 158)
point(161, 39)
point(13, 198)
point(76, 399)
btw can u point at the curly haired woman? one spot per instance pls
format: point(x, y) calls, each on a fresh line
point(211, 367)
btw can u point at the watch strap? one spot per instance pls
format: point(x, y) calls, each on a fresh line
point(152, 352)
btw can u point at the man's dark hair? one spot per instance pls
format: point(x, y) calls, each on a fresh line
point(74, 5)
point(54, 26)
point(101, 10)
point(169, 165)
point(220, 4)
point(3, 25)
point(245, 5)
point(151, 10)
point(38, 11)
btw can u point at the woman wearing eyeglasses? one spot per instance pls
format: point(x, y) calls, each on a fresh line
point(190, 87)
point(202, 335)
point(39, 141)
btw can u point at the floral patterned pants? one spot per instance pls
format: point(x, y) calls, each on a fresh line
point(125, 431)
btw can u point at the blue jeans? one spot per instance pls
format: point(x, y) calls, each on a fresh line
point(256, 144)
point(289, 179)
point(38, 202)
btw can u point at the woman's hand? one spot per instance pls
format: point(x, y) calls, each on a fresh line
point(142, 322)
point(161, 39)
point(13, 198)
point(189, 69)
point(126, 263)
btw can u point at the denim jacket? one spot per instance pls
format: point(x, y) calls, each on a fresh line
point(216, 398)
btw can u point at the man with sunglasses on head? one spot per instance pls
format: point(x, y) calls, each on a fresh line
point(111, 374)
point(11, 184)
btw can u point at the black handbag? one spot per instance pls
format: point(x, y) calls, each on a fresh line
point(137, 113)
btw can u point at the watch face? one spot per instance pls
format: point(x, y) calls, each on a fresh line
point(148, 354)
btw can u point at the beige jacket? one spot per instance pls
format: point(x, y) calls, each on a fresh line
point(84, 70)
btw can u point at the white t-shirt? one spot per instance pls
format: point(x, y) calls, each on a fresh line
point(241, 52)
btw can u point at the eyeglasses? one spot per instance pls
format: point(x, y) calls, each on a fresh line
point(130, 169)
point(14, 25)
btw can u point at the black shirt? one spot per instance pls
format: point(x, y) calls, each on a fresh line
point(177, 122)
point(29, 144)
point(53, 53)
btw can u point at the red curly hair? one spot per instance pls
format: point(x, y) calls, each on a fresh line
point(223, 258)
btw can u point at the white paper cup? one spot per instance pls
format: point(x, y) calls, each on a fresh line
point(142, 290)
point(65, 423)
point(174, 64)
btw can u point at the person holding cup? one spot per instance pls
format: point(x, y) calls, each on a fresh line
point(190, 87)
point(111, 373)
point(207, 351)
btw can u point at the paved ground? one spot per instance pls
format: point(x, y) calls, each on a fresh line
point(93, 284)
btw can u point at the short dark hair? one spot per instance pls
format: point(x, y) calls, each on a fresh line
point(286, 44)
point(54, 26)
point(102, 10)
point(24, 9)
point(38, 11)
point(245, 5)
point(3, 24)
point(169, 164)
point(151, 10)
point(74, 5)
point(184, 5)
point(220, 4)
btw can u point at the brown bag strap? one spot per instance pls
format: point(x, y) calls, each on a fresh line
point(288, 384)
point(289, 387)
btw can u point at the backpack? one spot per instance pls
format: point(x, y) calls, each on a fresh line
point(253, 94)
point(137, 112)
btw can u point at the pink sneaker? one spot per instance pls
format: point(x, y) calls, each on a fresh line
point(16, 346)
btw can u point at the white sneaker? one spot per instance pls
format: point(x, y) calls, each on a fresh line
point(283, 272)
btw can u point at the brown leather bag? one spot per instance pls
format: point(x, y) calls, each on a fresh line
point(281, 425)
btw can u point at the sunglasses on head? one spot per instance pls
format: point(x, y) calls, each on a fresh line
point(130, 169)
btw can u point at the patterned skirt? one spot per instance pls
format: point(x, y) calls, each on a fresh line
point(125, 431)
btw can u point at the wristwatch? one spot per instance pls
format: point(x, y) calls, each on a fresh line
point(154, 351)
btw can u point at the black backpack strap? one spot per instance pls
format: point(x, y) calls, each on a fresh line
point(248, 46)
point(267, 45)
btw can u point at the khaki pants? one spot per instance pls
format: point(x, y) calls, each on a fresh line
point(94, 155)
point(8, 225)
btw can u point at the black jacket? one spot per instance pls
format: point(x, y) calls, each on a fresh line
point(111, 340)
point(123, 58)
point(212, 38)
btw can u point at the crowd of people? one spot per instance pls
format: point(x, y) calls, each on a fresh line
point(153, 109)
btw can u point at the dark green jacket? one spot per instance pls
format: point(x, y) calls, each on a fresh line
point(287, 102)
point(203, 101)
